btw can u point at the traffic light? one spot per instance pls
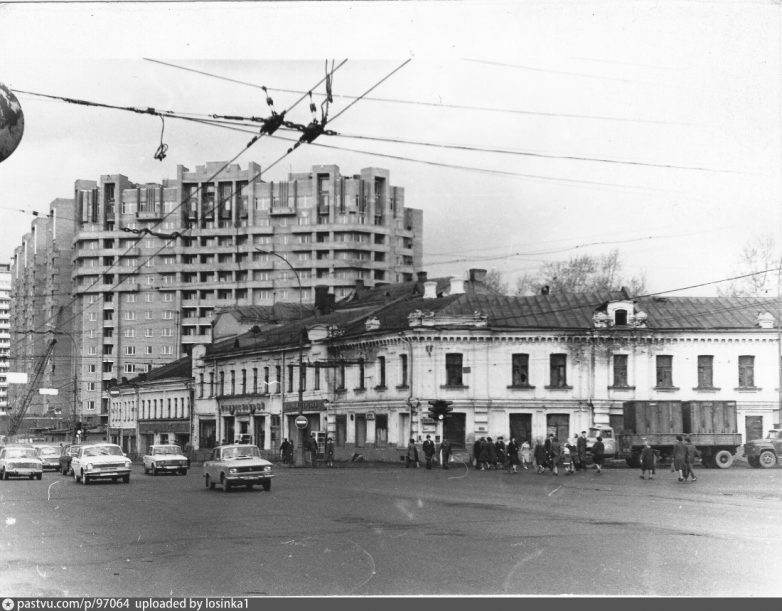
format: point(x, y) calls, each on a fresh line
point(440, 410)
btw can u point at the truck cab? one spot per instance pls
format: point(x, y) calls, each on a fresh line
point(609, 438)
point(764, 452)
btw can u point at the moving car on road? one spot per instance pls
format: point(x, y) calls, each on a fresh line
point(237, 465)
point(20, 461)
point(100, 461)
point(49, 455)
point(167, 458)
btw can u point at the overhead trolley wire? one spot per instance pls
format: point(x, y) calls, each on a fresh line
point(432, 104)
point(174, 235)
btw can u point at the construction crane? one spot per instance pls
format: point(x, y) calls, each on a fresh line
point(32, 388)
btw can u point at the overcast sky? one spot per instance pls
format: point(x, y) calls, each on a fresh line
point(649, 127)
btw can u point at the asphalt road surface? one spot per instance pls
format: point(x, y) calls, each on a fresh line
point(386, 530)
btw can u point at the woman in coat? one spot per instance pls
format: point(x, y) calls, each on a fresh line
point(647, 460)
point(526, 454)
point(540, 456)
point(679, 457)
point(555, 451)
point(513, 455)
point(491, 454)
point(412, 454)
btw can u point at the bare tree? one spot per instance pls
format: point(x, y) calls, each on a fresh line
point(495, 283)
point(580, 275)
point(759, 262)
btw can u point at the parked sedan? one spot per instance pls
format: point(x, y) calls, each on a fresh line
point(50, 456)
point(237, 465)
point(166, 458)
point(20, 461)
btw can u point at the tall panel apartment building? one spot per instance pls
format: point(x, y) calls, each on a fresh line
point(153, 261)
point(41, 311)
point(5, 332)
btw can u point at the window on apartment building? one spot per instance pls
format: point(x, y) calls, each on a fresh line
point(278, 378)
point(211, 384)
point(233, 381)
point(148, 332)
point(168, 350)
point(520, 369)
point(316, 380)
point(361, 375)
point(167, 332)
point(147, 315)
point(746, 371)
point(169, 297)
point(130, 298)
point(92, 316)
point(148, 350)
point(664, 371)
point(129, 315)
point(453, 369)
point(130, 350)
point(620, 370)
point(91, 350)
point(130, 333)
point(200, 385)
point(341, 377)
point(403, 370)
point(255, 379)
point(91, 368)
point(168, 315)
point(705, 371)
point(90, 406)
point(221, 386)
point(381, 371)
point(266, 380)
point(558, 370)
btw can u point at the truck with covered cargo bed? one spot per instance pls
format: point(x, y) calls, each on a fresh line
point(711, 425)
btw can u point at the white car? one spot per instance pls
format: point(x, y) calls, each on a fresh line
point(100, 461)
point(20, 461)
point(237, 465)
point(166, 458)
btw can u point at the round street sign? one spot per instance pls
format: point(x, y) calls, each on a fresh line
point(301, 422)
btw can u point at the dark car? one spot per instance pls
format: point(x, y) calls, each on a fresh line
point(66, 456)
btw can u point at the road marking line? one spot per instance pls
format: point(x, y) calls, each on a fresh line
point(553, 491)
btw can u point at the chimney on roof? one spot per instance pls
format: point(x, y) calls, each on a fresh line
point(421, 276)
point(457, 286)
point(323, 300)
point(477, 275)
point(430, 289)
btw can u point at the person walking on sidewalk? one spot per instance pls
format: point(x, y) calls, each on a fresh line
point(513, 455)
point(412, 455)
point(312, 448)
point(598, 453)
point(329, 452)
point(581, 450)
point(526, 454)
point(689, 461)
point(429, 451)
point(555, 451)
point(540, 456)
point(679, 457)
point(647, 461)
point(445, 452)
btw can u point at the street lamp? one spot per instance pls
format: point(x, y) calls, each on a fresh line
point(299, 456)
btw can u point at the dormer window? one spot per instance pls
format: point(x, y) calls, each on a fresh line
point(620, 317)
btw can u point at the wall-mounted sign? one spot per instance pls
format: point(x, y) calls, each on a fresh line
point(370, 415)
point(241, 406)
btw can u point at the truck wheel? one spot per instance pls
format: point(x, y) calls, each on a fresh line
point(723, 459)
point(767, 459)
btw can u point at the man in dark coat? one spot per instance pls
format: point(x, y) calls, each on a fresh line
point(679, 457)
point(540, 456)
point(499, 446)
point(647, 460)
point(312, 448)
point(476, 453)
point(412, 454)
point(429, 450)
point(445, 452)
point(491, 454)
point(555, 451)
point(689, 461)
point(598, 452)
point(581, 450)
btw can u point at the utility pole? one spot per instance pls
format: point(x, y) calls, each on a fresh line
point(301, 440)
